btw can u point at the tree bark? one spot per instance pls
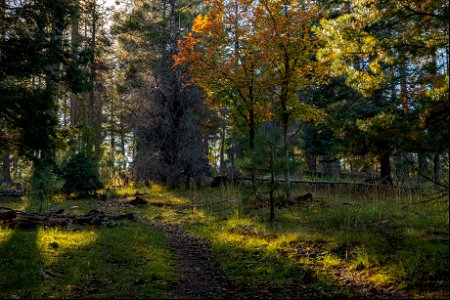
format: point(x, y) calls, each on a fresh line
point(75, 42)
point(437, 167)
point(311, 161)
point(272, 187)
point(251, 126)
point(7, 180)
point(222, 151)
point(93, 64)
point(286, 153)
point(385, 171)
point(422, 162)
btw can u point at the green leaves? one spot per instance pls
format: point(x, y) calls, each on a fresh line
point(81, 176)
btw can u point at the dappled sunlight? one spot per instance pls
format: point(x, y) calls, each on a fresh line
point(95, 262)
point(340, 238)
point(336, 241)
point(53, 242)
point(282, 240)
point(157, 188)
point(167, 198)
point(381, 278)
point(5, 234)
point(329, 261)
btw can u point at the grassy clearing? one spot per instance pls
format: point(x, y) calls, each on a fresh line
point(380, 239)
point(130, 260)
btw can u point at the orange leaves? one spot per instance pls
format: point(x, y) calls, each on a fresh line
point(244, 53)
point(187, 52)
point(201, 23)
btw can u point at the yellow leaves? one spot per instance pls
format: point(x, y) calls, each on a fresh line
point(201, 23)
point(381, 121)
point(374, 66)
point(364, 82)
point(370, 41)
point(439, 92)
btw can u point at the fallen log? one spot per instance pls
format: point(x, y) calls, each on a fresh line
point(7, 214)
point(138, 201)
point(12, 218)
point(314, 182)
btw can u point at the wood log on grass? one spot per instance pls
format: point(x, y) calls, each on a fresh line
point(26, 220)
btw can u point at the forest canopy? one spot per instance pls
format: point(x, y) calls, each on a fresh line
point(178, 92)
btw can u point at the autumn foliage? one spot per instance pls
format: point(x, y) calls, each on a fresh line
point(252, 56)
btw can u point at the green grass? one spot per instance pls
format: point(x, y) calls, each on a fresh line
point(130, 260)
point(387, 240)
point(381, 239)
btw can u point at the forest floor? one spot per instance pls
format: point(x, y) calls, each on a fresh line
point(219, 243)
point(201, 278)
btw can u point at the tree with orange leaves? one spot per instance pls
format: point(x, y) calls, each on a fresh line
point(254, 57)
point(224, 60)
point(288, 46)
point(243, 52)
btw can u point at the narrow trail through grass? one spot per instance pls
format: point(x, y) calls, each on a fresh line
point(200, 276)
point(216, 244)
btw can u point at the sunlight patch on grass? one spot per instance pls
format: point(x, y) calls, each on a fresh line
point(381, 278)
point(282, 240)
point(167, 199)
point(130, 260)
point(158, 188)
point(5, 234)
point(230, 238)
point(330, 260)
point(361, 259)
point(53, 241)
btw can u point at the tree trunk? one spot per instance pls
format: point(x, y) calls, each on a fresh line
point(311, 161)
point(75, 42)
point(437, 167)
point(252, 141)
point(385, 171)
point(222, 151)
point(172, 148)
point(272, 187)
point(98, 125)
point(93, 65)
point(422, 161)
point(251, 126)
point(286, 154)
point(7, 180)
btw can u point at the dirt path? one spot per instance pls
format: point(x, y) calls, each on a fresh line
point(200, 277)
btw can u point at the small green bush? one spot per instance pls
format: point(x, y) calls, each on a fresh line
point(81, 176)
